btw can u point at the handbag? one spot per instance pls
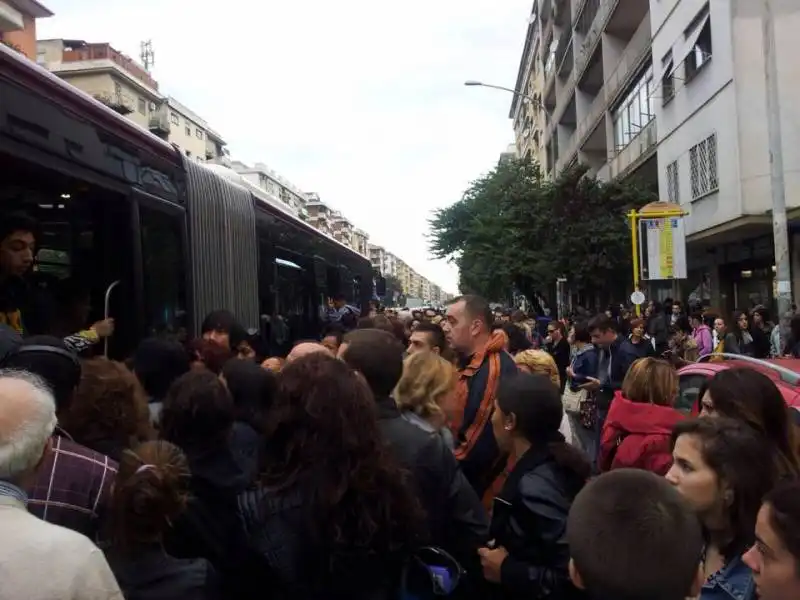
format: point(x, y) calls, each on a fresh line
point(572, 400)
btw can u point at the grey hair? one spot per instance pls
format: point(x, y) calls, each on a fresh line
point(22, 445)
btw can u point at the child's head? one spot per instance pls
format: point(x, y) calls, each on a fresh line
point(631, 536)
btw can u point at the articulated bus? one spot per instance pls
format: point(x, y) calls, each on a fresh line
point(115, 203)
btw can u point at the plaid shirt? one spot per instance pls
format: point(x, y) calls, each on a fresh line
point(72, 486)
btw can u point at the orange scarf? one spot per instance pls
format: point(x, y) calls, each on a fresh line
point(491, 352)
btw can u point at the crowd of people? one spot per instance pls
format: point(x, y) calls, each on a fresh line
point(458, 453)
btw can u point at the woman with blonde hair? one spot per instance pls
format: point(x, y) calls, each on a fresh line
point(540, 362)
point(636, 434)
point(423, 392)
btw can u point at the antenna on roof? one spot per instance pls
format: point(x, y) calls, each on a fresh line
point(147, 55)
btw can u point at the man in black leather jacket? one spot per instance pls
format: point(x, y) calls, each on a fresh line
point(457, 521)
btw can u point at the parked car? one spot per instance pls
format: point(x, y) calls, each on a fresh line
point(785, 372)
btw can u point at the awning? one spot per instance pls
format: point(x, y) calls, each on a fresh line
point(691, 41)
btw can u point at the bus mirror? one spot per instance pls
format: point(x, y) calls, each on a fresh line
point(380, 286)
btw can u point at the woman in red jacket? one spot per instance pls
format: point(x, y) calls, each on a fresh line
point(637, 430)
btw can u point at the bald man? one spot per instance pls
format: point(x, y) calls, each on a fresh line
point(75, 567)
point(304, 349)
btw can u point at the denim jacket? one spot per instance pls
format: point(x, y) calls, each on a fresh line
point(584, 364)
point(734, 581)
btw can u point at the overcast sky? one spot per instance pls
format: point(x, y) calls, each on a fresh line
point(361, 101)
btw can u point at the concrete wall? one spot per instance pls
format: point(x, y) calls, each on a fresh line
point(728, 97)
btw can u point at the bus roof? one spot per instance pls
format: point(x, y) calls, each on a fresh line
point(268, 200)
point(22, 71)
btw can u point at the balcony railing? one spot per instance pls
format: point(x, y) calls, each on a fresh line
point(584, 129)
point(592, 38)
point(637, 50)
point(117, 101)
point(106, 52)
point(639, 147)
point(160, 124)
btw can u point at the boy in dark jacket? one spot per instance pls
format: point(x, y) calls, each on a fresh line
point(631, 535)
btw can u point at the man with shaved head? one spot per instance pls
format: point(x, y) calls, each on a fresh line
point(302, 349)
point(75, 567)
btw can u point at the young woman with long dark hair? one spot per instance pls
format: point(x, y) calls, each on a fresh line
point(530, 556)
point(334, 515)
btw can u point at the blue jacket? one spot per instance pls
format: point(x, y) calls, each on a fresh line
point(584, 364)
point(734, 581)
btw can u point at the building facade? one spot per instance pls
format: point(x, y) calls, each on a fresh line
point(673, 92)
point(713, 142)
point(319, 213)
point(122, 84)
point(595, 81)
point(360, 241)
point(18, 24)
point(276, 187)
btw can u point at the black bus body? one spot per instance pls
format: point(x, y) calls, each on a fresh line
point(116, 203)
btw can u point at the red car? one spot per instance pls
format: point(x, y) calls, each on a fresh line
point(785, 372)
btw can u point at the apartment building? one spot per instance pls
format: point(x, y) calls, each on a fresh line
point(377, 257)
point(404, 275)
point(114, 79)
point(281, 191)
point(591, 102)
point(509, 154)
point(527, 110)
point(124, 85)
point(360, 240)
point(18, 24)
point(342, 228)
point(713, 145)
point(189, 132)
point(319, 213)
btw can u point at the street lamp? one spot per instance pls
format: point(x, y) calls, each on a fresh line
point(525, 97)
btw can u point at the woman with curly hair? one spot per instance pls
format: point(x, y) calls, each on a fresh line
point(334, 515)
point(109, 412)
point(151, 490)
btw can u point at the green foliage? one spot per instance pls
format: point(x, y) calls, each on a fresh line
point(513, 228)
point(393, 286)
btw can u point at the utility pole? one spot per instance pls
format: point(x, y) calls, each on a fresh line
point(780, 232)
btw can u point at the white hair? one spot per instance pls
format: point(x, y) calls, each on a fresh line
point(22, 442)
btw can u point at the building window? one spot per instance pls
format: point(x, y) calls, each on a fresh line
point(667, 81)
point(634, 112)
point(199, 134)
point(673, 183)
point(188, 131)
point(703, 165)
point(698, 34)
point(142, 106)
point(174, 119)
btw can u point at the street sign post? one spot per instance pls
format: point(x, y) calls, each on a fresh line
point(659, 249)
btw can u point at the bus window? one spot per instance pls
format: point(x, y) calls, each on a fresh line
point(164, 274)
point(81, 234)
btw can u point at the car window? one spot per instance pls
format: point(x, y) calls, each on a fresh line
point(689, 391)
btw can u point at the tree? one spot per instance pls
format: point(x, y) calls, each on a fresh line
point(394, 289)
point(514, 229)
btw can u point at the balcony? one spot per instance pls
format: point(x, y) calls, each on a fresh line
point(102, 52)
point(159, 123)
point(636, 52)
point(584, 130)
point(604, 12)
point(117, 101)
point(10, 18)
point(639, 150)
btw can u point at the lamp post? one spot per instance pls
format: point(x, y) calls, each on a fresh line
point(525, 98)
